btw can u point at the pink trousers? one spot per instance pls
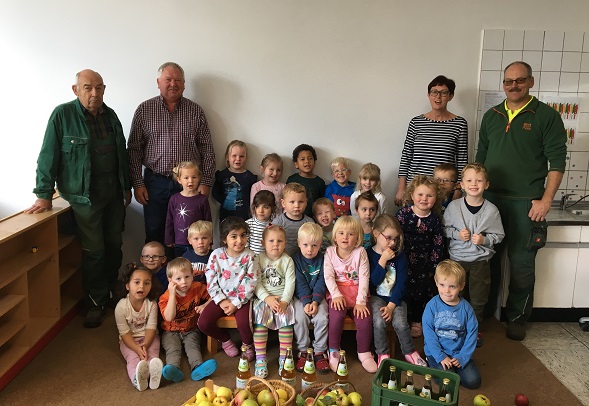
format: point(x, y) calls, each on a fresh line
point(153, 351)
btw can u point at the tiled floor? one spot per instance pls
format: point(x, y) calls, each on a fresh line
point(564, 349)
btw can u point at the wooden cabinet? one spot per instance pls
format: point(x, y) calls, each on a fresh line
point(40, 281)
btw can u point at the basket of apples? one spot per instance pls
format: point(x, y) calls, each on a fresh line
point(272, 392)
point(322, 394)
point(211, 395)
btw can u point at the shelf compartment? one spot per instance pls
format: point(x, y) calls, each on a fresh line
point(18, 265)
point(9, 329)
point(70, 260)
point(9, 302)
point(38, 327)
point(43, 284)
point(9, 355)
point(71, 293)
point(64, 241)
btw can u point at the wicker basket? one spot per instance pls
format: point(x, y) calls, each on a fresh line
point(271, 385)
point(315, 389)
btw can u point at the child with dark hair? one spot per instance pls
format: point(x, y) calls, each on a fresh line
point(263, 210)
point(304, 157)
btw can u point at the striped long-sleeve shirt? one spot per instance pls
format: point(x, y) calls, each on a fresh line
point(430, 143)
point(160, 139)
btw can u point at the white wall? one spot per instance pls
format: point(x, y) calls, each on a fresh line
point(345, 76)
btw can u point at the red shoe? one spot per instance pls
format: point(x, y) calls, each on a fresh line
point(300, 365)
point(321, 363)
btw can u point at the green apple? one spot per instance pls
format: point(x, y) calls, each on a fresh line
point(355, 398)
point(249, 402)
point(266, 398)
point(481, 400)
point(204, 394)
point(224, 392)
point(342, 400)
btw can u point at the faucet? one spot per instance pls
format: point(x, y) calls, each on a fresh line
point(563, 200)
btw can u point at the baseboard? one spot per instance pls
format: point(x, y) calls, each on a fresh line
point(554, 314)
point(38, 346)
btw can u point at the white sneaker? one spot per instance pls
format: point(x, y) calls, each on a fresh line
point(155, 373)
point(141, 380)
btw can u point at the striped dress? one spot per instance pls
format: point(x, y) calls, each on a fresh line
point(430, 143)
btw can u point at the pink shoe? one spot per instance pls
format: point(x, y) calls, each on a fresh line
point(333, 360)
point(415, 359)
point(381, 357)
point(250, 353)
point(367, 361)
point(230, 348)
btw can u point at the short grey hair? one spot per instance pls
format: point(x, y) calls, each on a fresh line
point(169, 65)
point(524, 64)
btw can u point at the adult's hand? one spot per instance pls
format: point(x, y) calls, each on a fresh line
point(539, 210)
point(40, 206)
point(141, 195)
point(401, 191)
point(205, 190)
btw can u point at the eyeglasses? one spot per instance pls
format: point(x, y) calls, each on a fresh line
point(390, 239)
point(152, 257)
point(435, 93)
point(340, 171)
point(519, 81)
point(445, 180)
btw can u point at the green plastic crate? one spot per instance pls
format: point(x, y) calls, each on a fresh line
point(387, 397)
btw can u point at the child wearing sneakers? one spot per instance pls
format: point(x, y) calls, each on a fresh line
point(180, 306)
point(200, 238)
point(232, 274)
point(324, 215)
point(309, 301)
point(272, 307)
point(136, 318)
point(388, 274)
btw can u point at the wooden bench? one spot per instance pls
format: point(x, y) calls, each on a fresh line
point(229, 322)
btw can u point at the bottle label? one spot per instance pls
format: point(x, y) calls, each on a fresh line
point(309, 367)
point(448, 397)
point(240, 383)
point(290, 381)
point(410, 390)
point(427, 393)
point(243, 365)
point(392, 385)
point(342, 369)
point(288, 364)
point(306, 384)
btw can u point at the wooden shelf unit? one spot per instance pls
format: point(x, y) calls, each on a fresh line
point(40, 283)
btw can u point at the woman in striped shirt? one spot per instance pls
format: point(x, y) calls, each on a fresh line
point(433, 138)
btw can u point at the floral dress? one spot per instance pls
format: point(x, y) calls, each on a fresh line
point(424, 248)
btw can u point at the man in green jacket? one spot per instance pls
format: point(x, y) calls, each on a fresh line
point(522, 142)
point(84, 153)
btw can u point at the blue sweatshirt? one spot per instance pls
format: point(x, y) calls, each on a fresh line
point(310, 282)
point(387, 283)
point(449, 330)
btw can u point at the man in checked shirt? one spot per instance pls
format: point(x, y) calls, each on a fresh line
point(166, 130)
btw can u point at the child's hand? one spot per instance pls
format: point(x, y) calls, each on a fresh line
point(361, 311)
point(338, 303)
point(141, 352)
point(387, 312)
point(228, 307)
point(455, 362)
point(478, 239)
point(388, 254)
point(311, 309)
point(172, 288)
point(464, 234)
point(447, 363)
point(283, 306)
point(274, 303)
point(199, 309)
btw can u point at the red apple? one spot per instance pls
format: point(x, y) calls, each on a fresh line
point(521, 400)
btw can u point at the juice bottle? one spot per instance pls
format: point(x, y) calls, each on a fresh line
point(309, 376)
point(243, 370)
point(287, 373)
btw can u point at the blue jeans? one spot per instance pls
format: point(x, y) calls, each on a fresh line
point(400, 325)
point(160, 189)
point(469, 374)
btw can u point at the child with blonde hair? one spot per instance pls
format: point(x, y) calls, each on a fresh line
point(272, 307)
point(294, 201)
point(181, 306)
point(233, 184)
point(271, 168)
point(153, 258)
point(369, 180)
point(263, 210)
point(185, 207)
point(424, 244)
point(388, 275)
point(200, 238)
point(324, 215)
point(136, 318)
point(347, 276)
point(340, 189)
point(450, 326)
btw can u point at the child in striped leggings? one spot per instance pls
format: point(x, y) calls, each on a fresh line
point(273, 307)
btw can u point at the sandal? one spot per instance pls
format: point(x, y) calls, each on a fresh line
point(261, 368)
point(416, 330)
